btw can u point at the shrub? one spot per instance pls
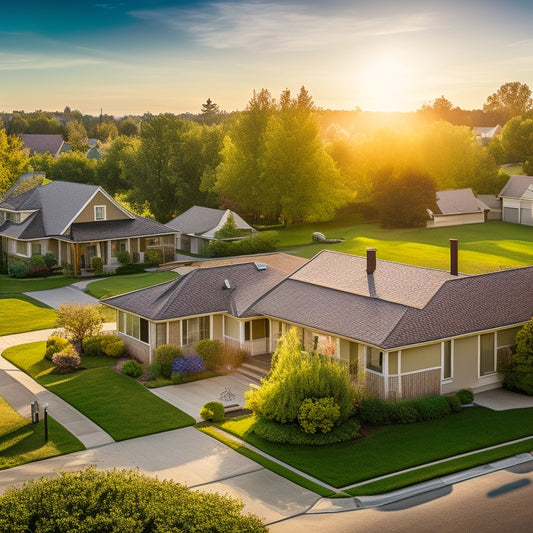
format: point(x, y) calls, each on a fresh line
point(17, 268)
point(133, 369)
point(165, 356)
point(211, 353)
point(97, 264)
point(296, 375)
point(50, 260)
point(91, 345)
point(132, 268)
point(213, 411)
point(466, 396)
point(55, 344)
point(67, 359)
point(158, 382)
point(154, 371)
point(372, 411)
point(114, 349)
point(37, 262)
point(293, 434)
point(96, 501)
point(188, 365)
point(318, 415)
point(123, 257)
point(519, 376)
point(262, 242)
point(153, 257)
point(176, 378)
point(454, 402)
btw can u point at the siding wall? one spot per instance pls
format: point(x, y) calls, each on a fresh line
point(112, 211)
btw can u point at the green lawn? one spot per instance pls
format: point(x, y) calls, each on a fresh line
point(118, 404)
point(394, 448)
point(114, 285)
point(482, 247)
point(20, 313)
point(23, 442)
point(13, 285)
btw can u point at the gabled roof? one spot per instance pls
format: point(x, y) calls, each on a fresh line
point(487, 132)
point(201, 220)
point(42, 143)
point(202, 291)
point(458, 201)
point(518, 187)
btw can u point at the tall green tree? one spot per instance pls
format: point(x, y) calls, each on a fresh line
point(516, 139)
point(13, 161)
point(209, 112)
point(74, 166)
point(111, 170)
point(153, 172)
point(76, 136)
point(128, 127)
point(510, 100)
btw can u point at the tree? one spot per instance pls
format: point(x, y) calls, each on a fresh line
point(128, 127)
point(76, 136)
point(111, 171)
point(96, 501)
point(74, 166)
point(18, 124)
point(209, 112)
point(79, 321)
point(106, 131)
point(43, 162)
point(516, 139)
point(510, 100)
point(13, 161)
point(519, 376)
point(404, 197)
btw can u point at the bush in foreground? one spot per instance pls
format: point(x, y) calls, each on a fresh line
point(165, 355)
point(93, 501)
point(67, 359)
point(133, 369)
point(211, 351)
point(55, 344)
point(213, 411)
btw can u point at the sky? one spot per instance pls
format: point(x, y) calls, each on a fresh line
point(136, 56)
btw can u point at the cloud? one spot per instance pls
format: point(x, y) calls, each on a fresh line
point(11, 62)
point(277, 27)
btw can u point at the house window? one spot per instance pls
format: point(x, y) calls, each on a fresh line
point(14, 217)
point(160, 334)
point(487, 359)
point(194, 330)
point(22, 248)
point(374, 359)
point(447, 360)
point(99, 212)
point(36, 248)
point(118, 246)
point(133, 326)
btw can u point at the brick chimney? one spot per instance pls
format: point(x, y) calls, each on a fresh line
point(454, 269)
point(370, 260)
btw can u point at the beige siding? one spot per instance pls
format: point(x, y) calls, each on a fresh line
point(217, 326)
point(465, 364)
point(420, 384)
point(393, 362)
point(375, 384)
point(507, 336)
point(421, 357)
point(112, 211)
point(136, 348)
point(344, 350)
point(232, 328)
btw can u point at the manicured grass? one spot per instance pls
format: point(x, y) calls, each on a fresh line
point(23, 442)
point(20, 313)
point(441, 469)
point(117, 403)
point(12, 285)
point(394, 448)
point(486, 247)
point(114, 285)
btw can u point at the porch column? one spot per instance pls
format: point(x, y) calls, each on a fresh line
point(98, 249)
point(386, 374)
point(59, 244)
point(241, 333)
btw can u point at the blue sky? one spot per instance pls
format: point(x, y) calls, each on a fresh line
point(134, 56)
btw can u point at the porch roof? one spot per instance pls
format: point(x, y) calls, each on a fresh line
point(116, 229)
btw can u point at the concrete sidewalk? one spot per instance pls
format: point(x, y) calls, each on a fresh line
point(19, 390)
point(71, 294)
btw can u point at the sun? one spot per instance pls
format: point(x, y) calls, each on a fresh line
point(386, 82)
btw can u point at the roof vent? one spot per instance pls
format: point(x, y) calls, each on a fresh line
point(260, 266)
point(227, 284)
point(454, 263)
point(370, 260)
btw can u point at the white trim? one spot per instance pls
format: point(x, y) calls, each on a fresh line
point(96, 219)
point(452, 347)
point(407, 373)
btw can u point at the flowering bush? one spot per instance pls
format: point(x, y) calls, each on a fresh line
point(188, 365)
point(66, 359)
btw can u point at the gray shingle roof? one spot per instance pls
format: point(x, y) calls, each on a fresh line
point(394, 282)
point(198, 220)
point(202, 291)
point(114, 229)
point(516, 186)
point(457, 201)
point(42, 143)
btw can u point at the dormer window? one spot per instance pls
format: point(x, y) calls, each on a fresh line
point(99, 212)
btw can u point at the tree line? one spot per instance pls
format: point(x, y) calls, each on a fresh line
point(282, 160)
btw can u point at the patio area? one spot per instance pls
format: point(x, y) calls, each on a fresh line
point(502, 400)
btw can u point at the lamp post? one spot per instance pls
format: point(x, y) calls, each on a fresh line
point(44, 405)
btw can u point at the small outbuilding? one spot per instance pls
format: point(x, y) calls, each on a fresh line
point(458, 206)
point(517, 200)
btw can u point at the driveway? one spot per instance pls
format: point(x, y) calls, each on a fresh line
point(71, 294)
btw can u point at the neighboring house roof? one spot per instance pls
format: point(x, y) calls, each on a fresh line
point(94, 153)
point(518, 187)
point(204, 221)
point(458, 201)
point(57, 204)
point(491, 201)
point(202, 291)
point(487, 132)
point(42, 143)
point(112, 229)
